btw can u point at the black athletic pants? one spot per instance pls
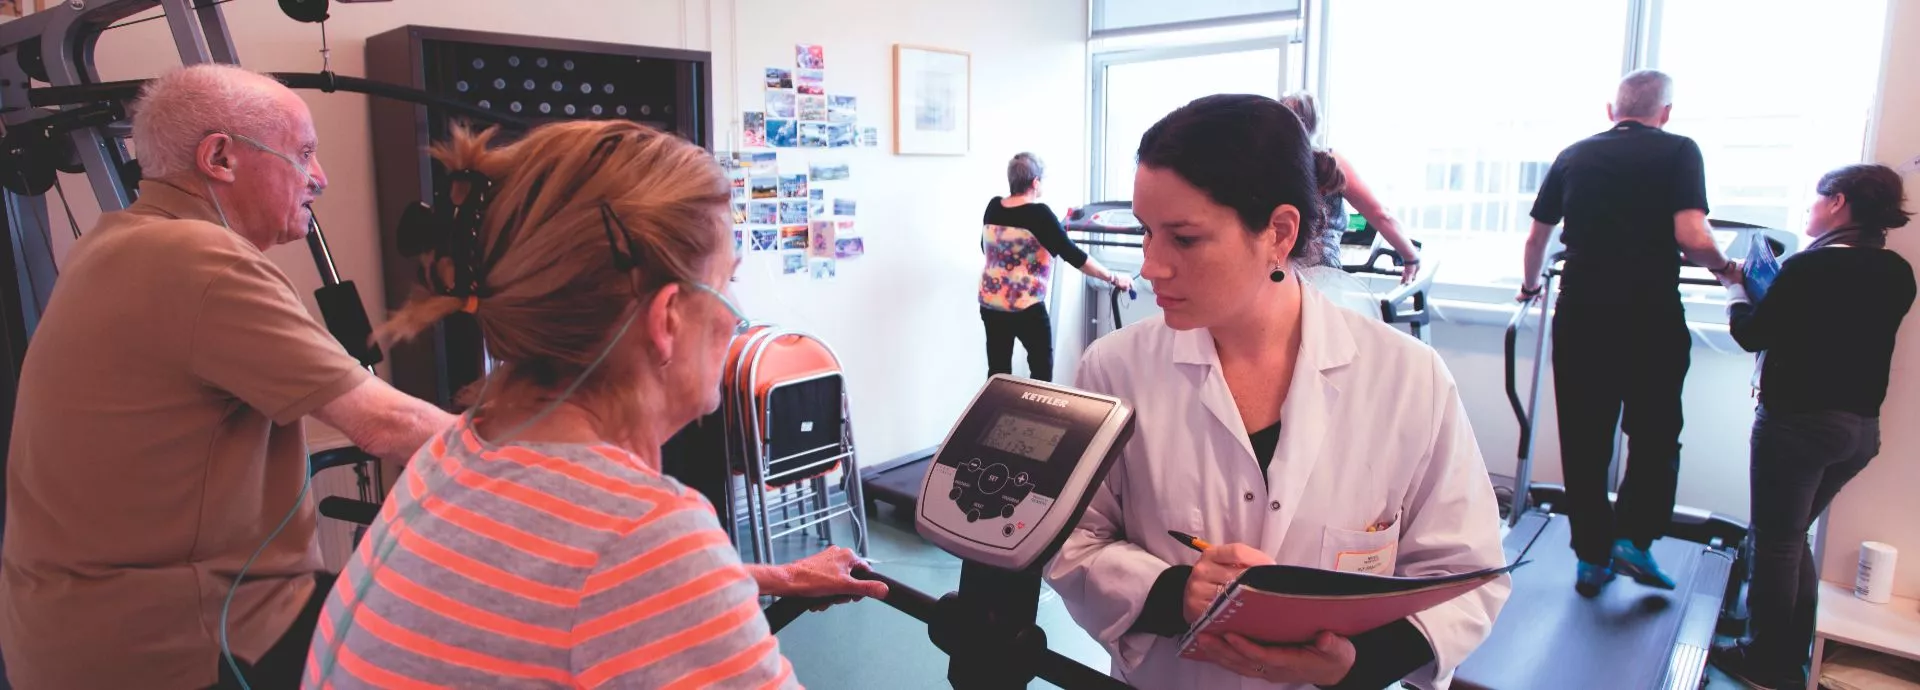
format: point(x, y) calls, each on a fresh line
point(1619, 365)
point(286, 661)
point(1035, 333)
point(1800, 461)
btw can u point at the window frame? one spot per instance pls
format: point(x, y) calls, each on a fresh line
point(1097, 77)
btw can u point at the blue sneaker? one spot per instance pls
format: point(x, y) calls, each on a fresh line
point(1636, 563)
point(1592, 578)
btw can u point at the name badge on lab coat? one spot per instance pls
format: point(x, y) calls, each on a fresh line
point(1373, 552)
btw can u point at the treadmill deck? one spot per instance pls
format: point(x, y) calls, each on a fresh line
point(1629, 637)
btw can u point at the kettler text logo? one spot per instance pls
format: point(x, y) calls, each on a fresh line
point(1044, 399)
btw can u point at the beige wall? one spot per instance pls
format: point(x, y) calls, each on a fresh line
point(1883, 503)
point(903, 318)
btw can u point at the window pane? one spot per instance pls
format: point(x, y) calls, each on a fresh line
point(1432, 102)
point(1125, 14)
point(1771, 121)
point(1138, 94)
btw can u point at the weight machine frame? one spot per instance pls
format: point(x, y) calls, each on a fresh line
point(56, 46)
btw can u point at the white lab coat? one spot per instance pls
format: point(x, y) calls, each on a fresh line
point(1372, 430)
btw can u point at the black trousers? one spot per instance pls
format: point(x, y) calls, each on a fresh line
point(1800, 460)
point(284, 663)
point(1035, 333)
point(1619, 365)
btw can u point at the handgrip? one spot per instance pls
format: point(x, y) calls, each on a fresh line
point(1512, 357)
point(906, 599)
point(349, 510)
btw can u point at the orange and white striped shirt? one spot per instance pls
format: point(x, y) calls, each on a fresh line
point(543, 566)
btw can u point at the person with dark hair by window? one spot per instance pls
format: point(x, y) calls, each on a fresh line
point(1825, 331)
point(1021, 237)
point(1258, 402)
point(1339, 184)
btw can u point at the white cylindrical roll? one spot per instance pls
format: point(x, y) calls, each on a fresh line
point(1875, 581)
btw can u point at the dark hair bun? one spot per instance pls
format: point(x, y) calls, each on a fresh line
point(1874, 194)
point(1246, 152)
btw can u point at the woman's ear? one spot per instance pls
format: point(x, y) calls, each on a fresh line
point(663, 323)
point(214, 157)
point(1285, 224)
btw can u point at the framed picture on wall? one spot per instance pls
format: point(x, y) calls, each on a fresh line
point(932, 101)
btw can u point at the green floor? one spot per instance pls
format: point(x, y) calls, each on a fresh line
point(870, 645)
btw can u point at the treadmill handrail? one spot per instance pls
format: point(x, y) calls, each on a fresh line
point(1422, 284)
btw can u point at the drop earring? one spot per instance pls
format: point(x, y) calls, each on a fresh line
point(1277, 275)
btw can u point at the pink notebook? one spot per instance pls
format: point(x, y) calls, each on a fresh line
point(1284, 604)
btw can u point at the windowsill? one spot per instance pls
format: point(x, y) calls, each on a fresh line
point(1492, 305)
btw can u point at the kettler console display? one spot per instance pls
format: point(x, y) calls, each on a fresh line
point(1007, 487)
point(1016, 472)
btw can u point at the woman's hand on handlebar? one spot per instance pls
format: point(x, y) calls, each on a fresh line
point(1122, 282)
point(1528, 293)
point(1410, 270)
point(825, 575)
point(1217, 568)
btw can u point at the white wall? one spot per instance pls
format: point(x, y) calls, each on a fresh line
point(1880, 505)
point(903, 318)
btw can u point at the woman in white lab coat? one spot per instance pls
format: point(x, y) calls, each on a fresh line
point(1272, 424)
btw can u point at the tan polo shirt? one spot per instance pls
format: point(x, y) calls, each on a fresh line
point(157, 440)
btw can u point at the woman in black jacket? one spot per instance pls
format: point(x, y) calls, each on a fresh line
point(1825, 331)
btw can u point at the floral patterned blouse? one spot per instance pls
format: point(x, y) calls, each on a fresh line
point(1020, 243)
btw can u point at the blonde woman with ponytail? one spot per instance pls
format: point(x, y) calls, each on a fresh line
point(536, 543)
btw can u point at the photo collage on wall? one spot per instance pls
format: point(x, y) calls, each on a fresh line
point(804, 214)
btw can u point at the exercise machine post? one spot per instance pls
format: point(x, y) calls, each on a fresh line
point(1009, 484)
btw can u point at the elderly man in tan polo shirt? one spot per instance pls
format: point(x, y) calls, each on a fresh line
point(157, 439)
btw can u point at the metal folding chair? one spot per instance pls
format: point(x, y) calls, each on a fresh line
point(789, 409)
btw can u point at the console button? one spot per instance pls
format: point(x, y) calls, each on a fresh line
point(954, 494)
point(1006, 511)
point(1006, 531)
point(1020, 479)
point(993, 479)
point(973, 515)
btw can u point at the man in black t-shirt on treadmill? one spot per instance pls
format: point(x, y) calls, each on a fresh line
point(1634, 200)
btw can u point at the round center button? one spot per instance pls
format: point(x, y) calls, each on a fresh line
point(994, 478)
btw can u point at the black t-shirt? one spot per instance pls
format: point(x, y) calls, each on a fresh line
point(1827, 326)
point(1617, 192)
point(1036, 218)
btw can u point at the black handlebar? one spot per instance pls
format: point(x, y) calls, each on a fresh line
point(1513, 386)
point(1048, 665)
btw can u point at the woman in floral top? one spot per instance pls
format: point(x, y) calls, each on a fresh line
point(1020, 240)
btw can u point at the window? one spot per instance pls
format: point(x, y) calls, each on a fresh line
point(1770, 120)
point(1452, 112)
point(1139, 76)
point(1138, 88)
point(1120, 15)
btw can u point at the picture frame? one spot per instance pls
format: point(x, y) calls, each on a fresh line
point(932, 101)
